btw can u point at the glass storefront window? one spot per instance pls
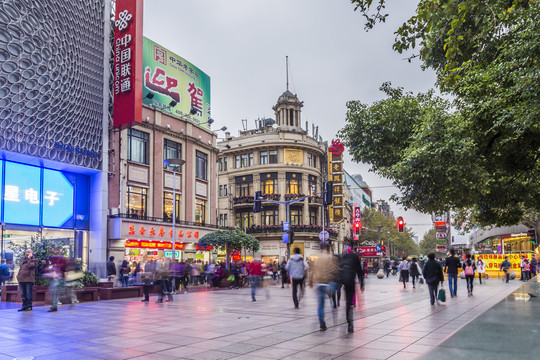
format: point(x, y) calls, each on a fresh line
point(168, 207)
point(136, 202)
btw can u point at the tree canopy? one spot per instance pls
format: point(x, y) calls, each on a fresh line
point(479, 153)
point(428, 244)
point(231, 239)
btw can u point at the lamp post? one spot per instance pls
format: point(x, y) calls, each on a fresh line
point(174, 164)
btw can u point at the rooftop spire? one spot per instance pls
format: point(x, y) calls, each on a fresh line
point(287, 70)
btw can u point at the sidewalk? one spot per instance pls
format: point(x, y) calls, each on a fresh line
point(391, 323)
point(507, 330)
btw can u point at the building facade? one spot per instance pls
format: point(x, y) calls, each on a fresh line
point(141, 188)
point(54, 96)
point(280, 159)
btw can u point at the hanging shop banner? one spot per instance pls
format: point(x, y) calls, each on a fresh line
point(128, 63)
point(174, 85)
point(370, 251)
point(150, 244)
point(335, 152)
point(158, 232)
point(494, 261)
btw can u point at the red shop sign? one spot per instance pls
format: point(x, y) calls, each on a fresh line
point(150, 244)
point(370, 251)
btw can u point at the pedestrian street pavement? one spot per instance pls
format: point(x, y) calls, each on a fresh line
point(390, 323)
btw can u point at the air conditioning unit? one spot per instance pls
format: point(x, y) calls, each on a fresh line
point(114, 211)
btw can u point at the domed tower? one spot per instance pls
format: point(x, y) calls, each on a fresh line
point(288, 111)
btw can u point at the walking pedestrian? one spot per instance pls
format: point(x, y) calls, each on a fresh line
point(111, 270)
point(526, 269)
point(54, 271)
point(521, 267)
point(284, 274)
point(297, 267)
point(505, 266)
point(480, 268)
point(4, 273)
point(386, 266)
point(469, 267)
point(26, 278)
point(451, 265)
point(414, 271)
point(349, 269)
point(324, 277)
point(124, 273)
point(433, 274)
point(256, 273)
point(404, 271)
point(534, 265)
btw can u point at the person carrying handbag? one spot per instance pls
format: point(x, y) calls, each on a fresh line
point(433, 274)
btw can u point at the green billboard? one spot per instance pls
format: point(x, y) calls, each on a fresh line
point(174, 85)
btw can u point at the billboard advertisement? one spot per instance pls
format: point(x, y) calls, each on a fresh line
point(174, 85)
point(127, 70)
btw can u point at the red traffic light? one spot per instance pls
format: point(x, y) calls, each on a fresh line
point(357, 225)
point(400, 223)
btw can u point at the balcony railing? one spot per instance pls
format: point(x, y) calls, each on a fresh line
point(296, 228)
point(274, 197)
point(248, 199)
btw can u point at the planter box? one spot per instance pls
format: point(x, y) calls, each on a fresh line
point(83, 295)
point(106, 284)
point(120, 292)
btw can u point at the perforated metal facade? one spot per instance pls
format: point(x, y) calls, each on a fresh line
point(51, 79)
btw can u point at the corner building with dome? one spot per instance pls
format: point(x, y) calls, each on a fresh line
point(284, 161)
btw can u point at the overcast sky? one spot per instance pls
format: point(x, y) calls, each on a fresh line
point(242, 44)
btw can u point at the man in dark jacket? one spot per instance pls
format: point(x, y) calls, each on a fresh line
point(26, 278)
point(505, 266)
point(452, 266)
point(433, 274)
point(534, 265)
point(111, 270)
point(349, 269)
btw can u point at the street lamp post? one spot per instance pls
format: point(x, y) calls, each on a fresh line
point(174, 164)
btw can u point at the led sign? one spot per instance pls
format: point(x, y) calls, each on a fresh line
point(22, 191)
point(57, 198)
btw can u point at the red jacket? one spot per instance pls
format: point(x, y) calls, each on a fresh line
point(255, 268)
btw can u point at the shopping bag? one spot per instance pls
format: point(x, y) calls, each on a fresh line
point(230, 278)
point(442, 295)
point(420, 280)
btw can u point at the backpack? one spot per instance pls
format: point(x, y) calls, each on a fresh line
point(469, 270)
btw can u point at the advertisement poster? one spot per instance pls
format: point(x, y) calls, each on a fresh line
point(174, 85)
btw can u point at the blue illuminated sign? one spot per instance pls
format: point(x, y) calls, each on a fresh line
point(22, 194)
point(58, 196)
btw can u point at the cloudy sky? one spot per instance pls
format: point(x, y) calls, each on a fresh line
point(242, 44)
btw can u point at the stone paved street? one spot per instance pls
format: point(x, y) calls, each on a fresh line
point(391, 323)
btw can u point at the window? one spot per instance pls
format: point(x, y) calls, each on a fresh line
point(168, 207)
point(171, 150)
point(244, 189)
point(269, 186)
point(244, 158)
point(220, 190)
point(237, 162)
point(263, 158)
point(296, 216)
point(223, 220)
point(244, 219)
point(272, 158)
point(200, 211)
point(201, 165)
point(220, 164)
point(136, 202)
point(310, 159)
point(225, 190)
point(312, 190)
point(294, 186)
point(137, 146)
point(270, 217)
point(224, 164)
point(250, 159)
point(312, 217)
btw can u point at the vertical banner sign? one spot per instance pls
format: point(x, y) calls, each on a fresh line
point(336, 153)
point(177, 86)
point(128, 68)
point(331, 219)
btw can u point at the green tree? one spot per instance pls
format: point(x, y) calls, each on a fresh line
point(480, 153)
point(230, 240)
point(428, 244)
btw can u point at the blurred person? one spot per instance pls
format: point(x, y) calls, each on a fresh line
point(26, 278)
point(433, 274)
point(284, 274)
point(521, 267)
point(124, 273)
point(324, 276)
point(4, 273)
point(111, 270)
point(452, 264)
point(505, 266)
point(415, 271)
point(255, 270)
point(195, 273)
point(480, 268)
point(210, 273)
point(469, 267)
point(137, 268)
point(297, 267)
point(235, 274)
point(72, 274)
point(404, 267)
point(54, 271)
point(350, 268)
point(534, 265)
point(275, 270)
point(526, 269)
point(387, 266)
point(163, 276)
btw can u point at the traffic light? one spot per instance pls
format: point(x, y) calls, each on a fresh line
point(400, 224)
point(291, 238)
point(532, 234)
point(328, 192)
point(357, 227)
point(257, 202)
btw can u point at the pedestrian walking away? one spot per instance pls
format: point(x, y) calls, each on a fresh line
point(534, 265)
point(256, 273)
point(404, 271)
point(349, 269)
point(111, 270)
point(415, 271)
point(452, 265)
point(297, 267)
point(387, 266)
point(324, 277)
point(54, 271)
point(26, 278)
point(505, 266)
point(469, 267)
point(433, 274)
point(124, 273)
